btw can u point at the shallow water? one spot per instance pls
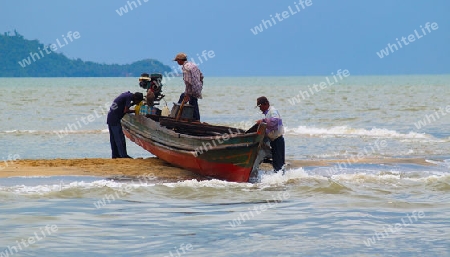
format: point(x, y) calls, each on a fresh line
point(296, 214)
point(352, 209)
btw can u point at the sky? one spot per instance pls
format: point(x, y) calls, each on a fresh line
point(246, 38)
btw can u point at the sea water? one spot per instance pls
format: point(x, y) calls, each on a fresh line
point(355, 208)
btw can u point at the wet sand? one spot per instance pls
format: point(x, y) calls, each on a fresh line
point(95, 167)
point(147, 167)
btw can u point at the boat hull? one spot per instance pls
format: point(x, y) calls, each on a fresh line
point(229, 156)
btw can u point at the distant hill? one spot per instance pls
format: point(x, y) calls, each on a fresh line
point(20, 57)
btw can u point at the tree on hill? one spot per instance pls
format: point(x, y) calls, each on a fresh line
point(20, 57)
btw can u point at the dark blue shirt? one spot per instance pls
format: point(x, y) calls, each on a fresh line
point(116, 111)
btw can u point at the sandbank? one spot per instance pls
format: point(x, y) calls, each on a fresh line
point(149, 167)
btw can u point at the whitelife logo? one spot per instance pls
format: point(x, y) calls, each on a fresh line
point(53, 48)
point(130, 4)
point(281, 17)
point(411, 38)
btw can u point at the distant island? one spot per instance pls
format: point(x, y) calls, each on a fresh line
point(20, 57)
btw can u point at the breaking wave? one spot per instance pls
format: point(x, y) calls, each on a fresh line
point(55, 132)
point(312, 179)
point(345, 131)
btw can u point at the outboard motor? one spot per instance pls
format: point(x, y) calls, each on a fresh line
point(153, 84)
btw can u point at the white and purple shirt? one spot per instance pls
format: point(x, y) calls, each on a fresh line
point(274, 122)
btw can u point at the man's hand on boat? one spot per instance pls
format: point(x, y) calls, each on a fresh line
point(127, 110)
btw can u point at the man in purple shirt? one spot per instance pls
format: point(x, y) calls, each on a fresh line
point(193, 79)
point(274, 131)
point(120, 106)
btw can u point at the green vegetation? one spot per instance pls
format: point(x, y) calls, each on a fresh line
point(20, 57)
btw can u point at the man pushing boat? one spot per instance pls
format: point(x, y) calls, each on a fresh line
point(120, 106)
point(274, 132)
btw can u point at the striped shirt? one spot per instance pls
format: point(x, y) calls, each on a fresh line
point(193, 79)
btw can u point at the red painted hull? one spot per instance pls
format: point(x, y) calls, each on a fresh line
point(231, 161)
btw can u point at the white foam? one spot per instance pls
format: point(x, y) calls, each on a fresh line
point(56, 132)
point(48, 188)
point(16, 131)
point(383, 178)
point(92, 131)
point(214, 183)
point(269, 178)
point(444, 163)
point(345, 131)
point(265, 179)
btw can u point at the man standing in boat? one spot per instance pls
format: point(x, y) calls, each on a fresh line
point(193, 79)
point(274, 131)
point(120, 106)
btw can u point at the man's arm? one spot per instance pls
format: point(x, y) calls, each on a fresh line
point(127, 110)
point(128, 105)
point(272, 123)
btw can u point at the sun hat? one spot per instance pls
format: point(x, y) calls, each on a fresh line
point(144, 76)
point(180, 56)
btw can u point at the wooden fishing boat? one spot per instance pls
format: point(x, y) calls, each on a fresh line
point(220, 152)
point(212, 151)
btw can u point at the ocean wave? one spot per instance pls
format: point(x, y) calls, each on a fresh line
point(443, 163)
point(213, 183)
point(338, 131)
point(55, 132)
point(345, 131)
point(27, 185)
point(315, 179)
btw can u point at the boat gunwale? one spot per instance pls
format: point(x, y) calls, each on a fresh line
point(155, 125)
point(190, 149)
point(168, 147)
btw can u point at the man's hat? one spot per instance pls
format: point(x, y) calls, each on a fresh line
point(180, 56)
point(144, 76)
